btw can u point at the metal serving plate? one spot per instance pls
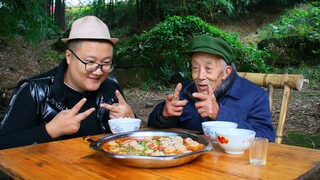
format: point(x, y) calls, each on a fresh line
point(153, 161)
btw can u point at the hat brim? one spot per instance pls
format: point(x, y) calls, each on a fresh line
point(113, 40)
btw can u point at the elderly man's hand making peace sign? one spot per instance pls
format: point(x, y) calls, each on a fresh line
point(173, 106)
point(207, 105)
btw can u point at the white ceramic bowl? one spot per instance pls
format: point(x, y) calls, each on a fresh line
point(120, 125)
point(235, 141)
point(209, 128)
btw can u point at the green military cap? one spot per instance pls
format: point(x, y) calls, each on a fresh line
point(212, 45)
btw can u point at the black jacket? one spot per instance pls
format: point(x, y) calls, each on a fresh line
point(39, 99)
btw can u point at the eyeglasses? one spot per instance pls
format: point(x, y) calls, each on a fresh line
point(92, 66)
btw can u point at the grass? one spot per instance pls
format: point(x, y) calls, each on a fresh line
point(307, 140)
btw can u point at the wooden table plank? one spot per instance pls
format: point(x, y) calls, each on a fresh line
point(73, 159)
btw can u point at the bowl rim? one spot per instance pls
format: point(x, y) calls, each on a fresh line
point(131, 120)
point(223, 132)
point(214, 123)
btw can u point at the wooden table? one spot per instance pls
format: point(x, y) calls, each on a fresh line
point(73, 159)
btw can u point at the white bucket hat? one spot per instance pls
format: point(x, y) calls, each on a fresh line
point(89, 27)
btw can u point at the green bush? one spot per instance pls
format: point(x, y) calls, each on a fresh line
point(302, 21)
point(206, 9)
point(165, 45)
point(294, 38)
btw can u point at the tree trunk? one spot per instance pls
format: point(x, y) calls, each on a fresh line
point(59, 14)
point(110, 14)
point(138, 9)
point(48, 8)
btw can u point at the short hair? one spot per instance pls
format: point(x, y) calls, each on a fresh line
point(223, 63)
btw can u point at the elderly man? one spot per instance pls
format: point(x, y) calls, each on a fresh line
point(216, 93)
point(77, 98)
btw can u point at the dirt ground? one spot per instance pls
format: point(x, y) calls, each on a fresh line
point(18, 62)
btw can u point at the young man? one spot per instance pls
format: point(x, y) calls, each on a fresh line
point(216, 93)
point(74, 99)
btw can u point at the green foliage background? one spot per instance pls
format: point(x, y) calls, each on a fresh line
point(169, 26)
point(25, 19)
point(303, 20)
point(293, 41)
point(296, 34)
point(165, 46)
point(160, 38)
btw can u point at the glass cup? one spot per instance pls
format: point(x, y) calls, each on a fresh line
point(258, 151)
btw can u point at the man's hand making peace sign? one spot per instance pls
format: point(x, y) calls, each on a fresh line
point(121, 109)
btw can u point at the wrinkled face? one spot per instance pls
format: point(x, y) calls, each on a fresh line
point(76, 76)
point(208, 71)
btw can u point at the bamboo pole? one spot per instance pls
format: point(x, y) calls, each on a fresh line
point(283, 113)
point(294, 81)
point(271, 91)
point(273, 81)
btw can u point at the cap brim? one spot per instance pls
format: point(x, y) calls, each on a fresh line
point(210, 51)
point(206, 50)
point(113, 40)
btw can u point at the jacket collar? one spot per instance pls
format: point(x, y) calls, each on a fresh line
point(235, 90)
point(58, 83)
